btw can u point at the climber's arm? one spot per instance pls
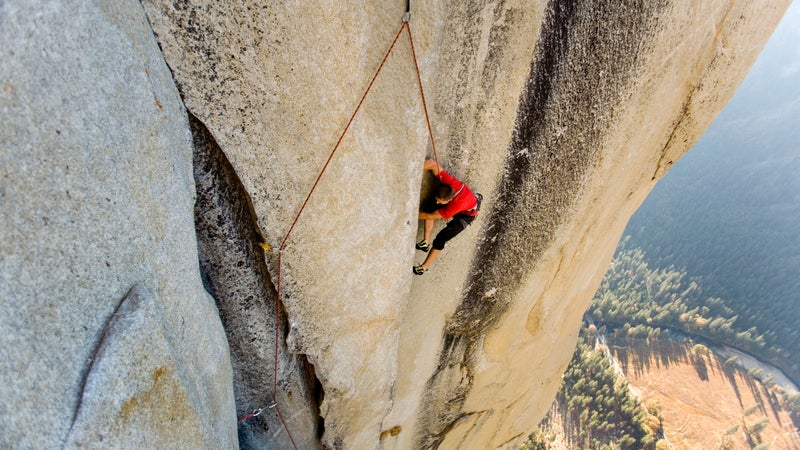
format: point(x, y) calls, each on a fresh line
point(430, 216)
point(431, 165)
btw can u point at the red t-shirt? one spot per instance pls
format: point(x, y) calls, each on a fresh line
point(463, 201)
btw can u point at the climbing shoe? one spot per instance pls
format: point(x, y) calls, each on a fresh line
point(419, 270)
point(424, 246)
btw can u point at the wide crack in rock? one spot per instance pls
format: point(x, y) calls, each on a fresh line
point(235, 274)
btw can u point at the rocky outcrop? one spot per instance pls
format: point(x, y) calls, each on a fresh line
point(96, 197)
point(562, 113)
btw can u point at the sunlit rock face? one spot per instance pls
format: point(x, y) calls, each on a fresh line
point(616, 93)
point(275, 87)
point(563, 114)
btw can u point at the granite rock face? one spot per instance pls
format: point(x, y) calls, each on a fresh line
point(563, 113)
point(134, 376)
point(96, 197)
point(121, 213)
point(286, 79)
point(616, 93)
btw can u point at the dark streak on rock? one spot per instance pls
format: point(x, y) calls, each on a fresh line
point(585, 58)
point(133, 294)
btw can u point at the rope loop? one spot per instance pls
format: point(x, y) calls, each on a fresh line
point(255, 413)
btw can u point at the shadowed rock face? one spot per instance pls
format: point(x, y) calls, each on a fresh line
point(234, 273)
point(562, 113)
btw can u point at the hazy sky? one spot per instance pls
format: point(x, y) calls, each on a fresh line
point(730, 209)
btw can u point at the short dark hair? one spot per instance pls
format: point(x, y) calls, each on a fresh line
point(444, 192)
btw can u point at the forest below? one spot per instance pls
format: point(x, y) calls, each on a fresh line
point(729, 407)
point(594, 408)
point(645, 301)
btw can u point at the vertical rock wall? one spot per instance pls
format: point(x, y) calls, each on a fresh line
point(275, 85)
point(482, 59)
point(106, 332)
point(578, 83)
point(614, 92)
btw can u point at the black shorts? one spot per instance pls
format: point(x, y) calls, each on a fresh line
point(456, 225)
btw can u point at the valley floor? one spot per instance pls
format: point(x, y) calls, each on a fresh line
point(705, 403)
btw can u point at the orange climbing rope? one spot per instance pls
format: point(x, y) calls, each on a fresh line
point(421, 91)
point(404, 27)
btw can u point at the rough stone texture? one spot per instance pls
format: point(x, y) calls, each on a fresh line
point(563, 113)
point(96, 196)
point(616, 94)
point(132, 395)
point(234, 273)
point(275, 85)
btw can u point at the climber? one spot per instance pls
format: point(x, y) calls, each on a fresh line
point(454, 200)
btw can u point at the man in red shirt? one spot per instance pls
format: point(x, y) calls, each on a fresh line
point(459, 204)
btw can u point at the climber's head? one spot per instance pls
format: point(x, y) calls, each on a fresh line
point(444, 193)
